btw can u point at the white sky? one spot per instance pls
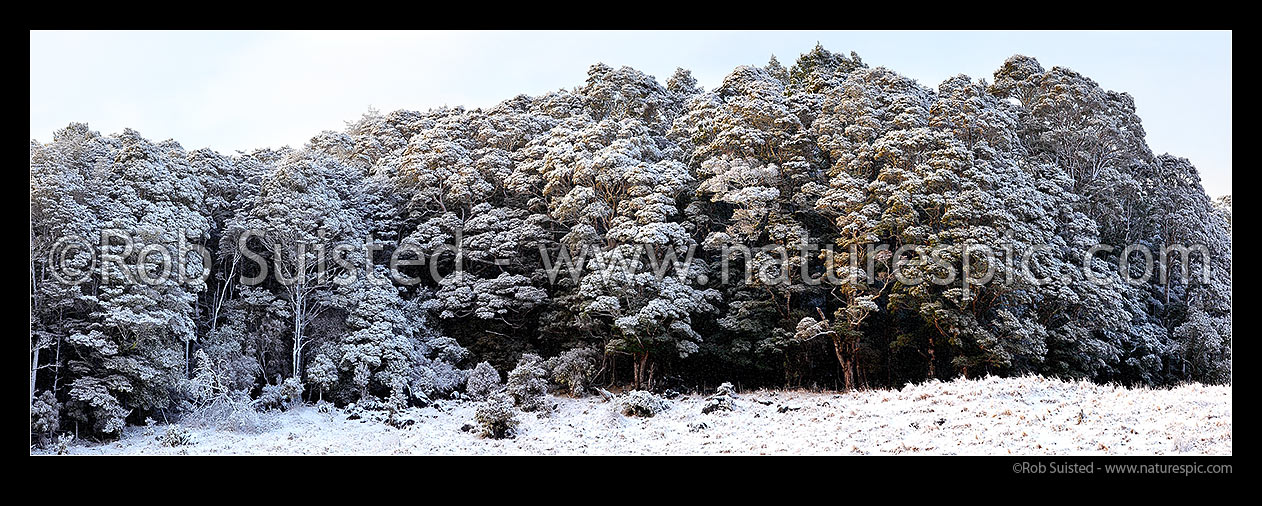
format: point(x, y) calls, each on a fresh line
point(242, 90)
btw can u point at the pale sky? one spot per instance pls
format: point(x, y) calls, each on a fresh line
point(244, 90)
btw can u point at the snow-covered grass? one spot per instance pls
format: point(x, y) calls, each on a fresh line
point(990, 416)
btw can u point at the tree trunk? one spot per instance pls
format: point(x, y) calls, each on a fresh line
point(932, 374)
point(846, 363)
point(223, 294)
point(635, 373)
point(639, 367)
point(652, 367)
point(299, 310)
point(57, 365)
point(34, 369)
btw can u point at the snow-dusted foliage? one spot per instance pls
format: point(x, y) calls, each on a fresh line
point(483, 381)
point(641, 403)
point(723, 399)
point(661, 235)
point(496, 416)
point(45, 418)
point(280, 396)
point(215, 399)
point(573, 370)
point(174, 436)
point(1223, 206)
point(389, 350)
point(527, 383)
point(717, 403)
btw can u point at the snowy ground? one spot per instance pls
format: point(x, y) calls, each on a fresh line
point(992, 416)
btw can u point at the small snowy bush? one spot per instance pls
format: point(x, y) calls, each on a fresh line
point(354, 411)
point(526, 383)
point(496, 416)
point(482, 382)
point(641, 403)
point(722, 400)
point(176, 436)
point(573, 369)
point(400, 398)
point(716, 403)
point(61, 446)
point(280, 396)
point(231, 411)
point(214, 401)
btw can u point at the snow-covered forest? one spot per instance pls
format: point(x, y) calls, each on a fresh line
point(728, 185)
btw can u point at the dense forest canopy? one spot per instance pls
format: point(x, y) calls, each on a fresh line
point(830, 152)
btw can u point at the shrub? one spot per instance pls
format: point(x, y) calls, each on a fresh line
point(722, 400)
point(232, 411)
point(641, 403)
point(573, 369)
point(496, 416)
point(526, 383)
point(482, 382)
point(716, 403)
point(61, 445)
point(176, 436)
point(354, 411)
point(280, 396)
